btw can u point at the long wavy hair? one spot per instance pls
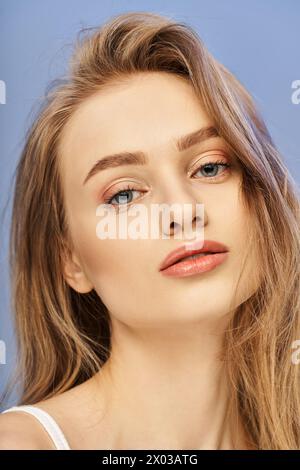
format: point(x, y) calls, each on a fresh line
point(63, 337)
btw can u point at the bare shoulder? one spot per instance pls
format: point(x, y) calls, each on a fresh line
point(74, 411)
point(21, 431)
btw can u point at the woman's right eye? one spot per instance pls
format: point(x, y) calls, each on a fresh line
point(121, 197)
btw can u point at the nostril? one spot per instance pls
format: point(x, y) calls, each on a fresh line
point(173, 225)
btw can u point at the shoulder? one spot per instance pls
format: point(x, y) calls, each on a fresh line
point(72, 410)
point(21, 431)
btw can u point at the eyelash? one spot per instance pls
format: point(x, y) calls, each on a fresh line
point(128, 188)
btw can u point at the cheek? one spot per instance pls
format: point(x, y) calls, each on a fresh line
point(115, 267)
point(244, 261)
point(230, 221)
point(110, 264)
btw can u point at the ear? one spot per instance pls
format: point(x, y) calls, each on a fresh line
point(75, 276)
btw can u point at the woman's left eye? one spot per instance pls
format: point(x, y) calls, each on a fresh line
point(211, 169)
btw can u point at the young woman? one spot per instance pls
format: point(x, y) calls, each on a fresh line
point(114, 351)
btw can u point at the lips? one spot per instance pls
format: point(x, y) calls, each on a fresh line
point(188, 249)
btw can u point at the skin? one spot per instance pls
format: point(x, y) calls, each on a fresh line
point(164, 385)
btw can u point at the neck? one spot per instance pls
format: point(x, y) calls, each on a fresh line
point(168, 389)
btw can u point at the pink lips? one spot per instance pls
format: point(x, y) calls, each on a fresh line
point(171, 266)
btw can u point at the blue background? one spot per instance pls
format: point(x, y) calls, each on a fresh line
point(258, 40)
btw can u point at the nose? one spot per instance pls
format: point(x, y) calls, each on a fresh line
point(186, 213)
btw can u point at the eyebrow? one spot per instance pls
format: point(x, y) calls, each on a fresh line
point(139, 157)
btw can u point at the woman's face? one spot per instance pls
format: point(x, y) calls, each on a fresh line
point(149, 113)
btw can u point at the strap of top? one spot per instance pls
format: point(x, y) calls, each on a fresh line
point(50, 426)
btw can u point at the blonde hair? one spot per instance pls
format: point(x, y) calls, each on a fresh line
point(63, 336)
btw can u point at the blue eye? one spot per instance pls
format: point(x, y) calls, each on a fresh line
point(122, 195)
point(211, 168)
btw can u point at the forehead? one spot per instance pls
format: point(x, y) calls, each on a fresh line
point(146, 112)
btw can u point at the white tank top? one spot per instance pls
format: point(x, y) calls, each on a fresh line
point(50, 426)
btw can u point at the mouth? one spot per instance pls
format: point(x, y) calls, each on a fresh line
point(194, 258)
